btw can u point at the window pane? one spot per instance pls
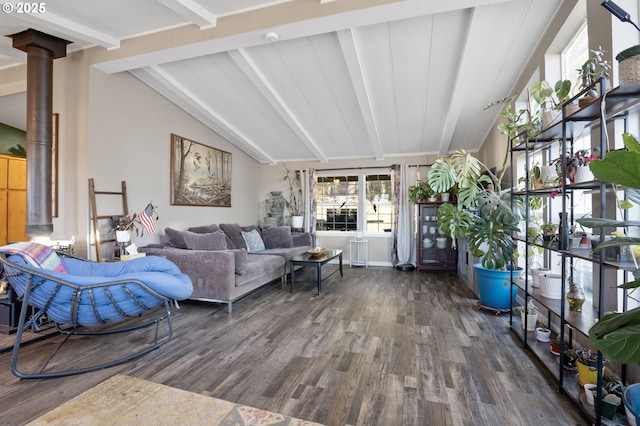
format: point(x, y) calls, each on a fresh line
point(337, 200)
point(378, 203)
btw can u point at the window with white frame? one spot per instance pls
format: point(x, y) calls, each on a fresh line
point(357, 201)
point(574, 55)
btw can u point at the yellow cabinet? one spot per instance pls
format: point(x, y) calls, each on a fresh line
point(13, 199)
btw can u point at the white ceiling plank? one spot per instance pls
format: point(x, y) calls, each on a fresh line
point(172, 89)
point(193, 12)
point(257, 77)
point(473, 46)
point(354, 65)
point(62, 27)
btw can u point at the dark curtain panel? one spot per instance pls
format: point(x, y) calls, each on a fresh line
point(395, 202)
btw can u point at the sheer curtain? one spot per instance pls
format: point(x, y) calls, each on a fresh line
point(401, 224)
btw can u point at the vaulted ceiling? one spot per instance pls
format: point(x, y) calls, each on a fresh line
point(292, 80)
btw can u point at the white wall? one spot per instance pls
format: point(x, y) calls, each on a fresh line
point(129, 139)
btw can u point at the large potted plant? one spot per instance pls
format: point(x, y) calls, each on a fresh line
point(617, 334)
point(484, 214)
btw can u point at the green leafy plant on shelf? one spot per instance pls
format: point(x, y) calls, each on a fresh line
point(617, 334)
point(421, 191)
point(594, 68)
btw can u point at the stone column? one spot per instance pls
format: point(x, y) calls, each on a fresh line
point(41, 50)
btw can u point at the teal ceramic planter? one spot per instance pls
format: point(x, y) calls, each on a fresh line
point(495, 287)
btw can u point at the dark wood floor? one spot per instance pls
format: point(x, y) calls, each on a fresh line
point(380, 347)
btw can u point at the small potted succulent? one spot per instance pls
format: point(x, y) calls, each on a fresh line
point(543, 334)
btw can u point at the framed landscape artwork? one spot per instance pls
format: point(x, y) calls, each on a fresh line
point(200, 174)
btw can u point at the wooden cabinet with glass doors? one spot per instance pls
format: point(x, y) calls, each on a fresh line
point(434, 249)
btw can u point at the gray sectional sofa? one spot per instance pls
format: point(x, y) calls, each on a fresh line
point(228, 261)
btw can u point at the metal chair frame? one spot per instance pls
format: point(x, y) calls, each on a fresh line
point(37, 277)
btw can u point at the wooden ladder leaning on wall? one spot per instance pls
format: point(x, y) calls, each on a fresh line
point(104, 220)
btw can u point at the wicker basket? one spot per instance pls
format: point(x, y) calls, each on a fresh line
point(551, 286)
point(629, 65)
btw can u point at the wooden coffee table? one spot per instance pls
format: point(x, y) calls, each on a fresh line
point(306, 259)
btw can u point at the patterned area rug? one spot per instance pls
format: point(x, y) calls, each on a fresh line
point(127, 400)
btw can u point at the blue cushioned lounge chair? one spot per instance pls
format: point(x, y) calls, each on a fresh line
point(78, 295)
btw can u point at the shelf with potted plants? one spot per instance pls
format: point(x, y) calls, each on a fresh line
point(571, 326)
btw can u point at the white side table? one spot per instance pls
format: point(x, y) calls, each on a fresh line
point(359, 256)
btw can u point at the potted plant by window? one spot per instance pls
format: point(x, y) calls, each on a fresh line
point(550, 99)
point(592, 70)
point(617, 334)
point(294, 203)
point(484, 214)
point(577, 164)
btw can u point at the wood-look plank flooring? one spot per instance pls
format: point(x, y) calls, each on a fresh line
point(379, 347)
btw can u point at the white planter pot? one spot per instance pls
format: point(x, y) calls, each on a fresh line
point(543, 334)
point(550, 117)
point(444, 197)
point(123, 236)
point(583, 174)
point(297, 222)
point(535, 275)
point(551, 286)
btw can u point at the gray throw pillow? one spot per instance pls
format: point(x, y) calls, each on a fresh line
point(205, 229)
point(233, 231)
point(277, 237)
point(211, 241)
point(253, 240)
point(175, 238)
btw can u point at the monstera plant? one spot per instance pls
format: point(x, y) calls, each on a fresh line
point(617, 334)
point(484, 214)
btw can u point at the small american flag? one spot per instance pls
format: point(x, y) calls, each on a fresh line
point(146, 219)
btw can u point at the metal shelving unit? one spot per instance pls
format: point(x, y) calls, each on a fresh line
point(610, 105)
